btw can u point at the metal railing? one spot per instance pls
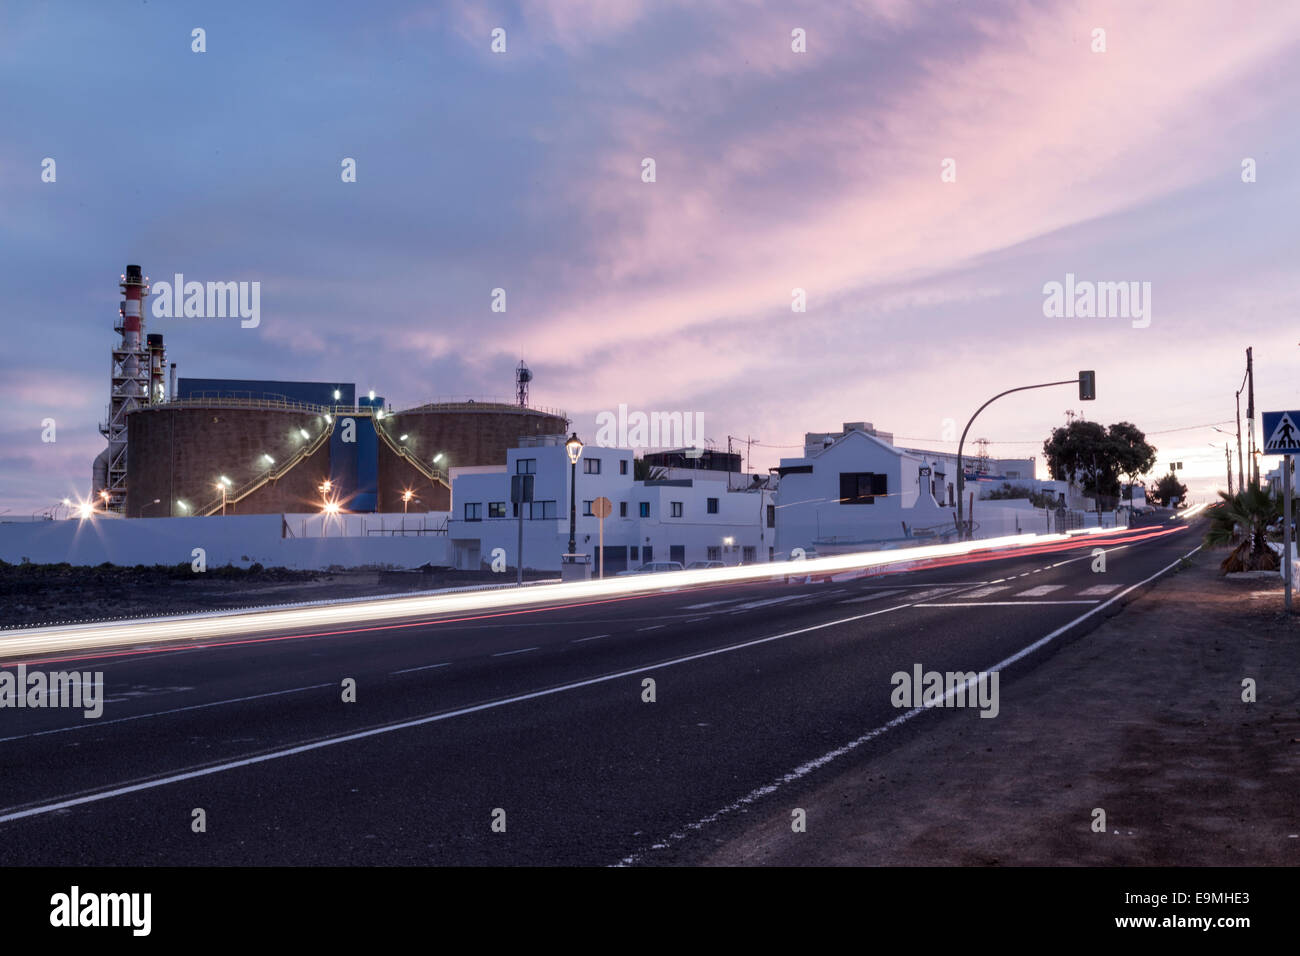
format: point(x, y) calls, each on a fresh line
point(221, 502)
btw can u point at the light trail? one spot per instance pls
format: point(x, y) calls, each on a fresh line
point(216, 626)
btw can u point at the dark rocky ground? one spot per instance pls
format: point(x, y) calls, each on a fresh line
point(51, 593)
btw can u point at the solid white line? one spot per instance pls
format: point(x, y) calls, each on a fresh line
point(804, 769)
point(426, 667)
point(652, 627)
point(594, 637)
point(422, 721)
point(522, 650)
point(93, 724)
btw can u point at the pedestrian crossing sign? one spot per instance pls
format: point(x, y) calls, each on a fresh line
point(1282, 433)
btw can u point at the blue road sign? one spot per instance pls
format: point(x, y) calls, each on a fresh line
point(1281, 433)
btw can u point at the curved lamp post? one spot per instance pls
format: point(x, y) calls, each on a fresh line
point(1086, 393)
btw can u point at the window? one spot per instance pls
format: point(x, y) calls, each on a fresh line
point(496, 509)
point(677, 509)
point(622, 466)
point(541, 510)
point(648, 554)
point(622, 509)
point(645, 509)
point(473, 511)
point(715, 553)
point(525, 466)
point(712, 505)
point(635, 556)
point(586, 509)
point(861, 487)
point(591, 466)
point(748, 555)
point(771, 516)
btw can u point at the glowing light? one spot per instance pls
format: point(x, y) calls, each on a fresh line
point(401, 438)
point(574, 448)
point(303, 433)
point(230, 624)
point(337, 396)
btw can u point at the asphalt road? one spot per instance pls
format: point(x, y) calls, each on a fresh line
point(539, 712)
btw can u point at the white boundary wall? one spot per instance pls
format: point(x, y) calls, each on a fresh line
point(238, 540)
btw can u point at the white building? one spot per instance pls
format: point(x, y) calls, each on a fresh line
point(856, 490)
point(682, 519)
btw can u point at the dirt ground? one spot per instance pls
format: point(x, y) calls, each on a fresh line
point(1142, 717)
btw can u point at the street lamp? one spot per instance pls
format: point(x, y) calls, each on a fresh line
point(145, 507)
point(222, 484)
point(406, 499)
point(574, 449)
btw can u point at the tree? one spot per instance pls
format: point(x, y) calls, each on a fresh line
point(1167, 489)
point(1245, 515)
point(1094, 457)
point(1135, 456)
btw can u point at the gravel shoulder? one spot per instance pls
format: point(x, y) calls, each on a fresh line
point(1142, 717)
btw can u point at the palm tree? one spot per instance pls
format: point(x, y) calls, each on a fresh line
point(1245, 517)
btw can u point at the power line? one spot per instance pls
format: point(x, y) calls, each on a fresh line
point(997, 441)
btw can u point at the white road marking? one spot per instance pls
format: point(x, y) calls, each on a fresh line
point(1041, 591)
point(696, 607)
point(92, 724)
point(756, 604)
point(804, 769)
point(1005, 603)
point(420, 721)
point(522, 650)
point(1102, 590)
point(594, 637)
point(870, 597)
point(652, 627)
point(426, 667)
point(985, 592)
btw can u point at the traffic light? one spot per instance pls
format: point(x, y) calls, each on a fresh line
point(1087, 386)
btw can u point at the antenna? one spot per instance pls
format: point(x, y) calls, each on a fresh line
point(522, 377)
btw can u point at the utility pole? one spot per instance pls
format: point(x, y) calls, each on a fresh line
point(1250, 413)
point(1241, 470)
point(1227, 455)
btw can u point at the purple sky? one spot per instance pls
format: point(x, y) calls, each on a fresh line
point(775, 170)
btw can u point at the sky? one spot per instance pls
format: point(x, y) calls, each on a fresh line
point(922, 170)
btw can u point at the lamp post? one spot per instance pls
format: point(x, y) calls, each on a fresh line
point(406, 499)
point(222, 484)
point(146, 507)
point(574, 448)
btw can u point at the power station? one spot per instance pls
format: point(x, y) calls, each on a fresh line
point(204, 446)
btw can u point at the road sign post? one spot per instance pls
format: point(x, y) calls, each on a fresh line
point(1286, 529)
point(1282, 437)
point(521, 493)
point(602, 507)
